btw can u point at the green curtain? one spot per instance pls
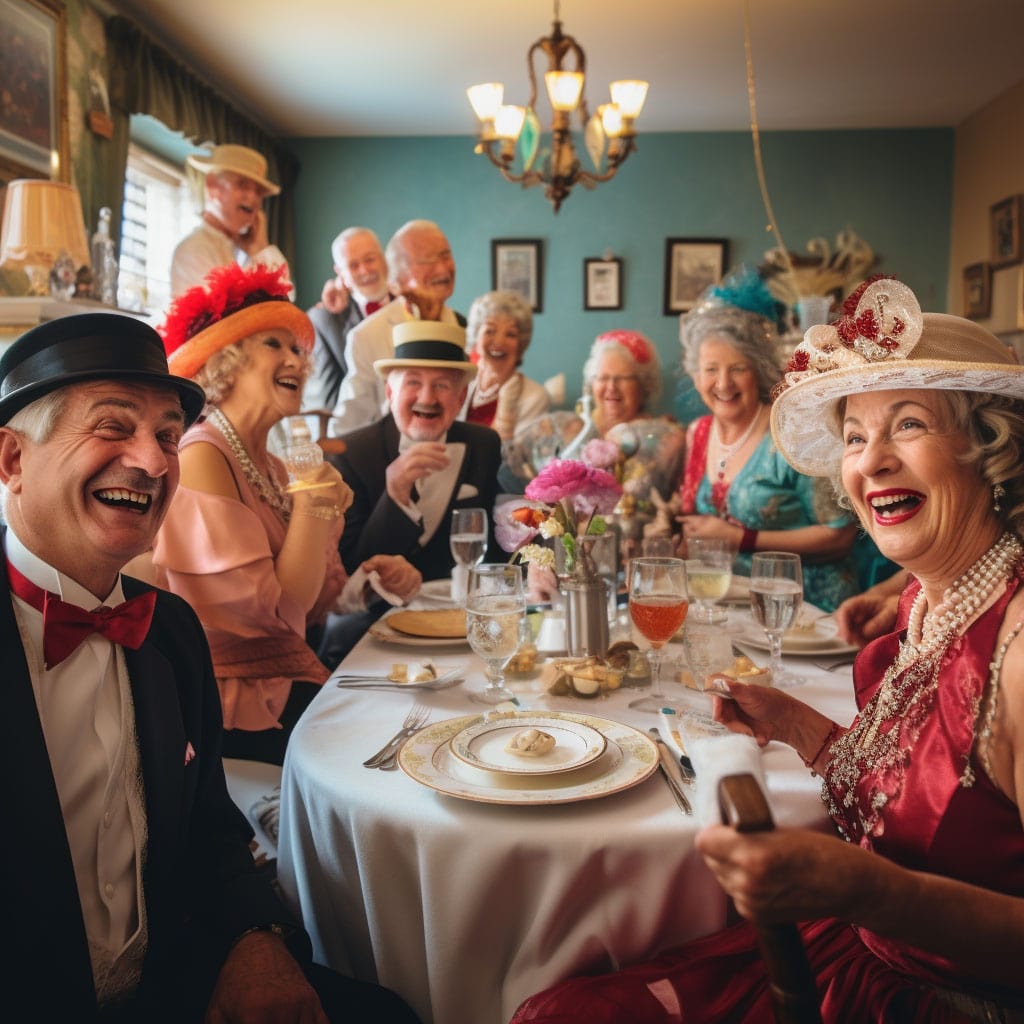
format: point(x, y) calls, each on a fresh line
point(145, 79)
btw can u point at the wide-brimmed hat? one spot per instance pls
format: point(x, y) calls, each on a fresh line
point(83, 347)
point(883, 342)
point(428, 344)
point(230, 305)
point(238, 159)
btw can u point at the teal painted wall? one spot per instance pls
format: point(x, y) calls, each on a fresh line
point(894, 188)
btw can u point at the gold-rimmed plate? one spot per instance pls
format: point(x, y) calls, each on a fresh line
point(629, 758)
point(485, 745)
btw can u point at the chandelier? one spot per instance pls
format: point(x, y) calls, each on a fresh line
point(609, 136)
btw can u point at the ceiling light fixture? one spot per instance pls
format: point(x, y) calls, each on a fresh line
point(609, 136)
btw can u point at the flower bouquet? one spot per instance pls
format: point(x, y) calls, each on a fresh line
point(568, 502)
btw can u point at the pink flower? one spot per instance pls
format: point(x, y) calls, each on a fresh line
point(600, 453)
point(591, 490)
point(509, 530)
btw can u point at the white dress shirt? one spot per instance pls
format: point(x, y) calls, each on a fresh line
point(88, 718)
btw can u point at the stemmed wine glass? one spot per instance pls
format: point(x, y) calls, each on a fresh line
point(495, 611)
point(658, 601)
point(708, 574)
point(467, 539)
point(776, 593)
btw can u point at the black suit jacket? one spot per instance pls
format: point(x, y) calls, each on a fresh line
point(329, 366)
point(201, 887)
point(375, 525)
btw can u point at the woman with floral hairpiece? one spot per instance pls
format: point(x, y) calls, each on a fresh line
point(912, 910)
point(736, 485)
point(258, 563)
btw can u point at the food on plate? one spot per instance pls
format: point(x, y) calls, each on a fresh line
point(742, 668)
point(580, 677)
point(426, 673)
point(523, 661)
point(531, 743)
point(434, 623)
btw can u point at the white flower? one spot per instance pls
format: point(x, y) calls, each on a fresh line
point(551, 528)
point(537, 554)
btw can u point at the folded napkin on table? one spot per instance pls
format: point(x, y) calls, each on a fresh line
point(714, 758)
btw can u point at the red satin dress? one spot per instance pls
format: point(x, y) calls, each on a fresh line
point(941, 814)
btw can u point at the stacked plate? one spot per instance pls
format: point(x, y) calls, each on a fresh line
point(469, 757)
point(820, 636)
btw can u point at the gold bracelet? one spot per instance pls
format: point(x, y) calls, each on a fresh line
point(326, 512)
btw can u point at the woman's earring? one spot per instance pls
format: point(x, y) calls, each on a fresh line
point(997, 492)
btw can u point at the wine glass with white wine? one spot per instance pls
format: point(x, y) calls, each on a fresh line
point(708, 574)
point(776, 593)
point(495, 610)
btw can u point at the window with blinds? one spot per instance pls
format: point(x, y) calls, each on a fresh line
point(160, 208)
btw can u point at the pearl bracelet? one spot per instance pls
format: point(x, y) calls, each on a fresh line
point(325, 512)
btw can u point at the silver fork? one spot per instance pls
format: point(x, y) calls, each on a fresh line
point(414, 720)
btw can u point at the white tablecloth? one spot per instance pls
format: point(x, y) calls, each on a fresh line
point(467, 908)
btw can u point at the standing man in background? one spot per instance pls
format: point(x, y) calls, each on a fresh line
point(421, 269)
point(358, 291)
point(233, 227)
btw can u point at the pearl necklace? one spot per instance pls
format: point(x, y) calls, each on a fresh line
point(727, 451)
point(268, 489)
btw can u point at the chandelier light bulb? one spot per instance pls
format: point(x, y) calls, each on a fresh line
point(564, 89)
point(629, 96)
point(611, 119)
point(486, 99)
point(508, 122)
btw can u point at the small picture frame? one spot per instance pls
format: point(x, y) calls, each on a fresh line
point(33, 79)
point(516, 266)
point(691, 266)
point(1006, 232)
point(602, 283)
point(978, 290)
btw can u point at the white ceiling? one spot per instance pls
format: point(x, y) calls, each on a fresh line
point(401, 67)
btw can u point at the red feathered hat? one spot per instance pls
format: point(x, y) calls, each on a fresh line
point(231, 304)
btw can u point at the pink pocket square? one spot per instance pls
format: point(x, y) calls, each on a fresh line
point(190, 754)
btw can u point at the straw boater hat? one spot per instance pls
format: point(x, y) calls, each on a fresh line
point(883, 342)
point(237, 159)
point(428, 344)
point(230, 304)
point(85, 347)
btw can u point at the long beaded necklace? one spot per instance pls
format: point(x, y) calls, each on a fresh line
point(719, 488)
point(268, 489)
point(905, 696)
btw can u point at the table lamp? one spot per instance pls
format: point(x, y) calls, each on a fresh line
point(43, 223)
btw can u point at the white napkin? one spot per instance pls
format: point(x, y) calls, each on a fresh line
point(718, 756)
point(373, 578)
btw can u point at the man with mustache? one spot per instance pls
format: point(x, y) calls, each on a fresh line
point(421, 269)
point(137, 898)
point(357, 292)
point(233, 228)
point(409, 470)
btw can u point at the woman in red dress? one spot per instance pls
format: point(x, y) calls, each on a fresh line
point(914, 909)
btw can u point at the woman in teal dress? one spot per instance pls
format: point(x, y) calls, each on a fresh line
point(736, 485)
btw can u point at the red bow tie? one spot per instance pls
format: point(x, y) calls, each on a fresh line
point(65, 625)
point(372, 307)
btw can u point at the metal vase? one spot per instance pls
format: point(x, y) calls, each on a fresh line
point(586, 616)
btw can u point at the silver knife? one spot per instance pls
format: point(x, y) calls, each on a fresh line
point(672, 772)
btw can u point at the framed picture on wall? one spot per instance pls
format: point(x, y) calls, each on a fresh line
point(33, 114)
point(691, 265)
point(602, 283)
point(1006, 232)
point(516, 266)
point(978, 290)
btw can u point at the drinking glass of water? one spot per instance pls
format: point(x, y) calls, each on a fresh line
point(468, 539)
point(495, 612)
point(708, 573)
point(776, 593)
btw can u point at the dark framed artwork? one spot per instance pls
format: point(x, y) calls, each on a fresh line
point(33, 84)
point(1006, 232)
point(517, 266)
point(978, 290)
point(602, 283)
point(691, 266)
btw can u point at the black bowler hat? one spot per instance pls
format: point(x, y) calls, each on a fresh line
point(88, 346)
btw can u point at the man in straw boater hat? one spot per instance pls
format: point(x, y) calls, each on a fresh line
point(233, 228)
point(139, 900)
point(410, 470)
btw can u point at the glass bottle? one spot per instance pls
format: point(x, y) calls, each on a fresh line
point(104, 261)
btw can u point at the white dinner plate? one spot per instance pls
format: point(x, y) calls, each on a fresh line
point(484, 745)
point(436, 592)
point(628, 759)
point(822, 639)
point(380, 630)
